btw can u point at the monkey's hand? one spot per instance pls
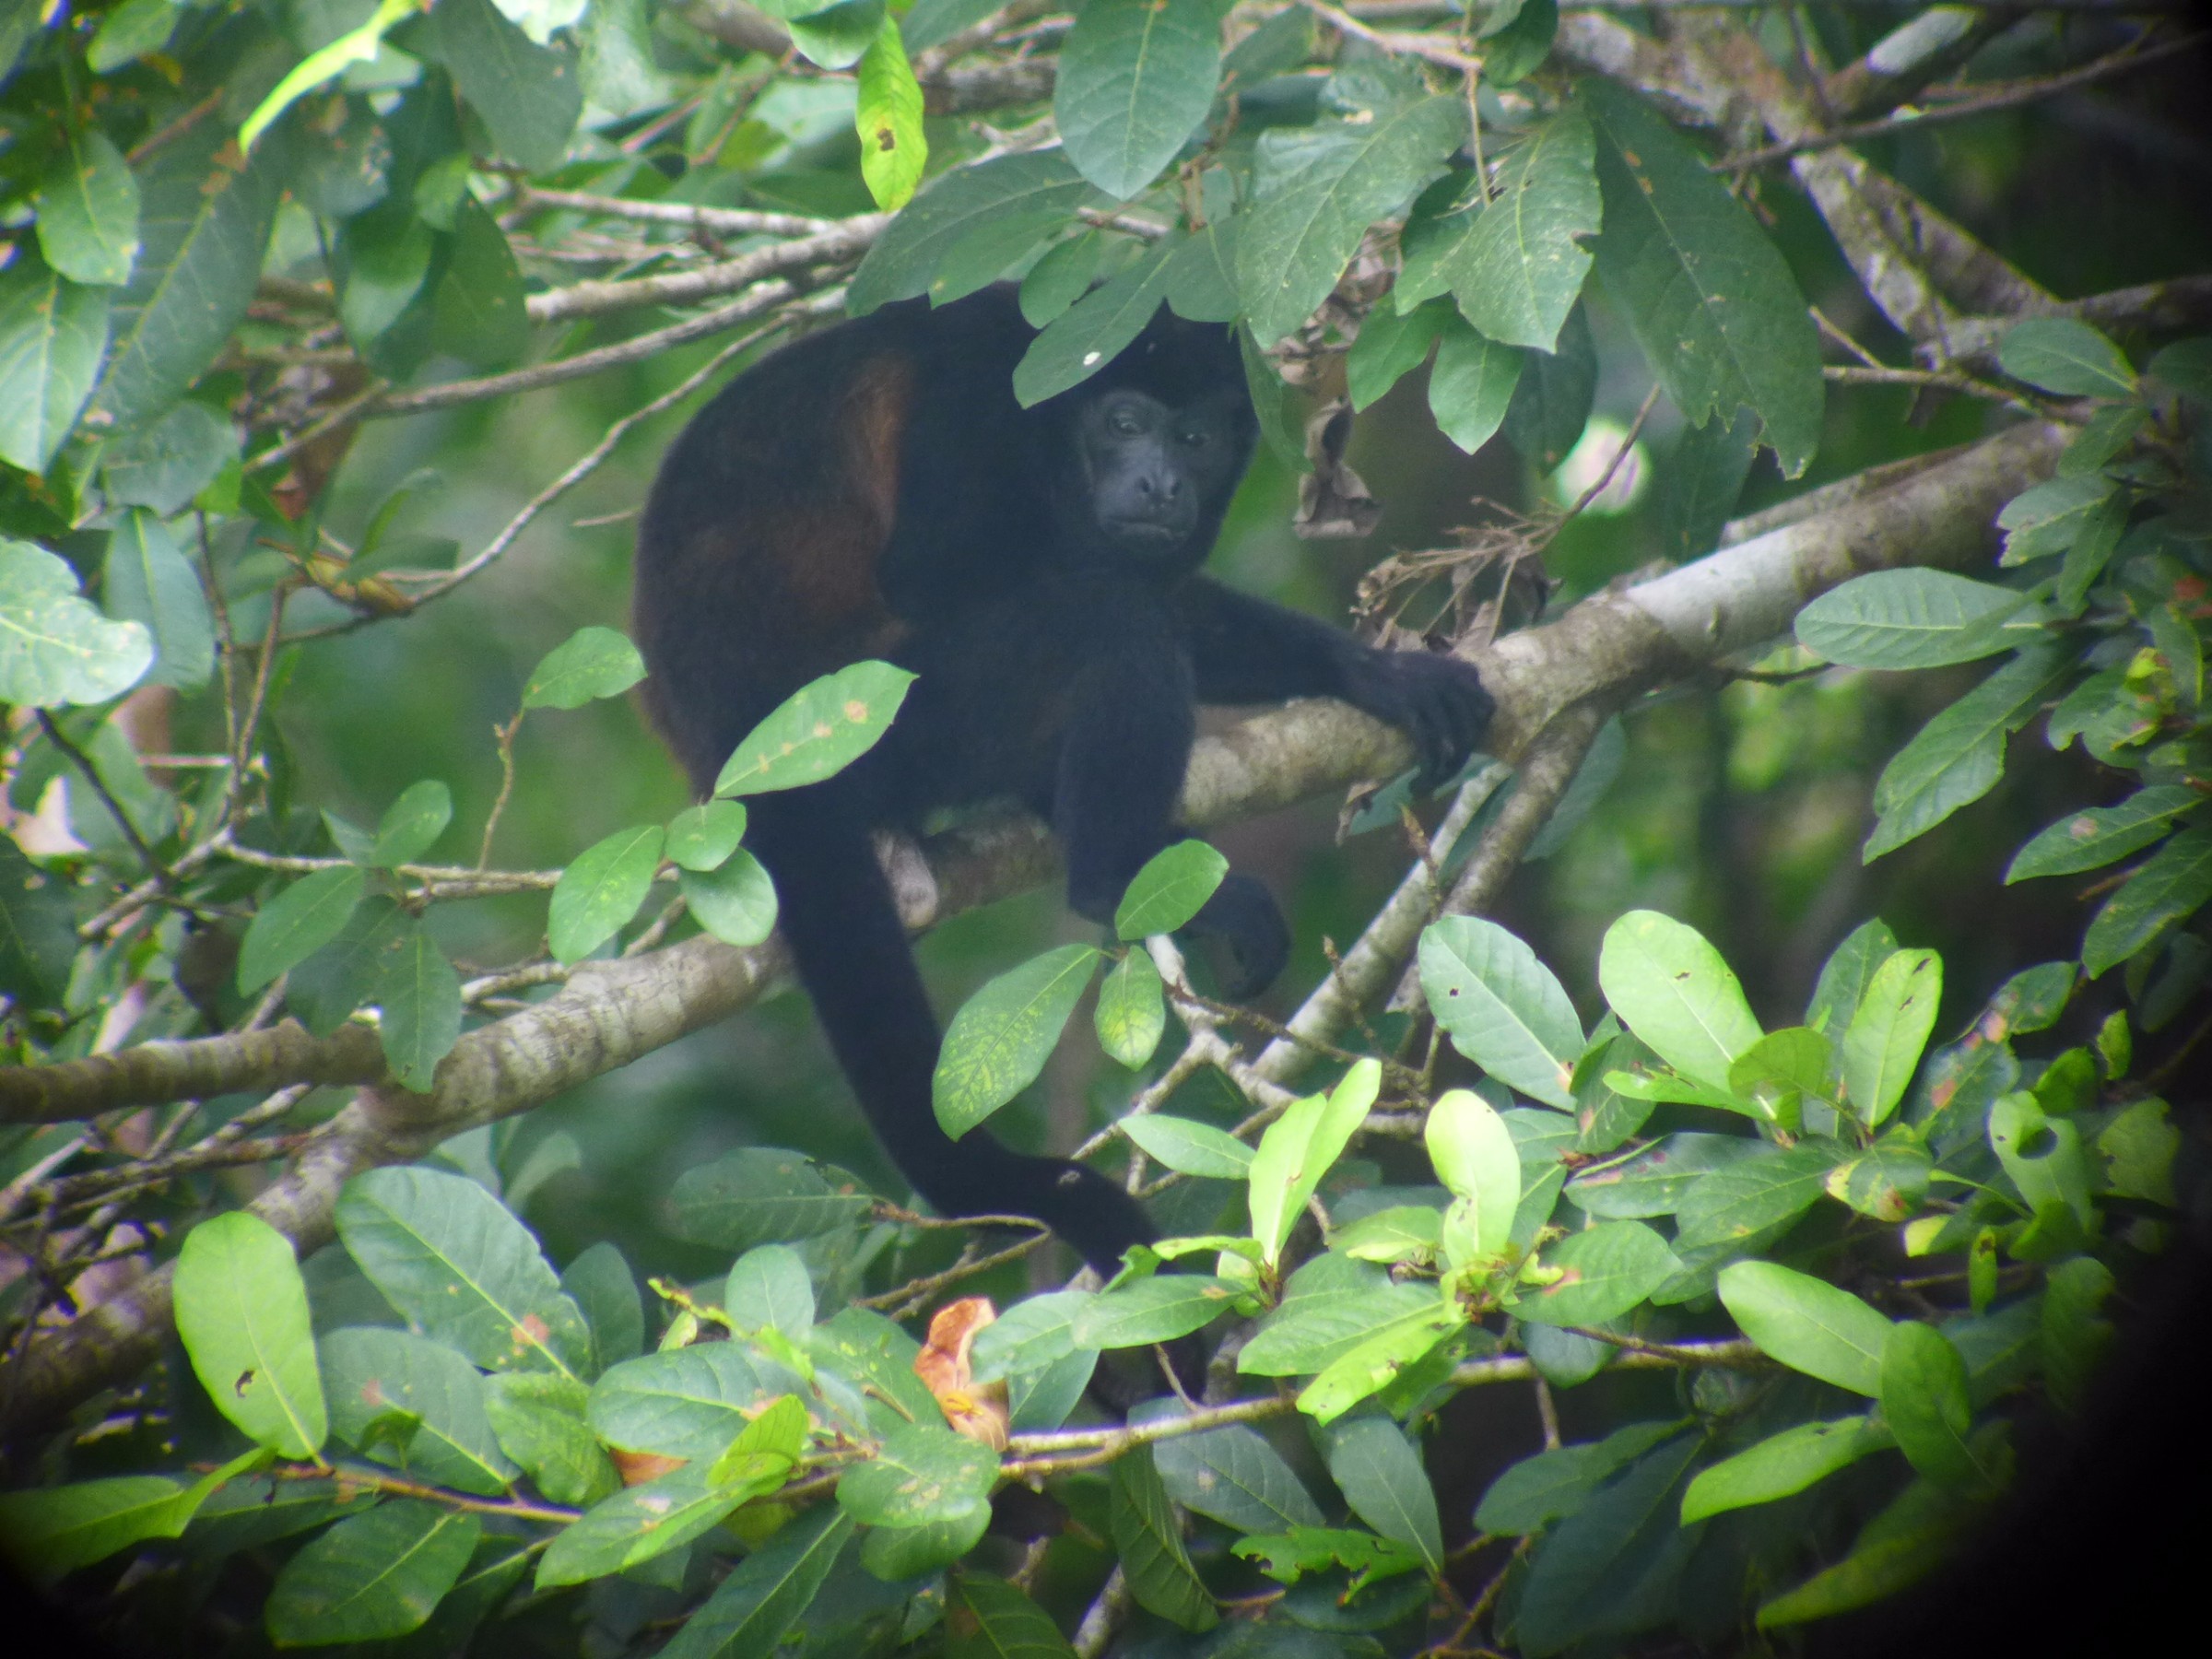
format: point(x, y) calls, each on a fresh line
point(1254, 941)
point(1436, 700)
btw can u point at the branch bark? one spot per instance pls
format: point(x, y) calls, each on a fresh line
point(1608, 648)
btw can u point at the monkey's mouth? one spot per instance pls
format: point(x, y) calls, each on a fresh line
point(1146, 532)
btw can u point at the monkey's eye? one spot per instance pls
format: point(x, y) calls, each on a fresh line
point(1124, 423)
point(1196, 440)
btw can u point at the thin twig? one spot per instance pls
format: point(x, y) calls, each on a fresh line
point(2128, 57)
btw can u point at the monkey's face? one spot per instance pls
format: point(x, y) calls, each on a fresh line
point(1150, 473)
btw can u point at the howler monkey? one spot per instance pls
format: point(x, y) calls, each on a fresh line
point(874, 490)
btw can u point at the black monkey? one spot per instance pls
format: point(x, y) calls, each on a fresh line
point(874, 490)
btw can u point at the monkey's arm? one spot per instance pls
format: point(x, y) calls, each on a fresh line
point(1246, 650)
point(1123, 755)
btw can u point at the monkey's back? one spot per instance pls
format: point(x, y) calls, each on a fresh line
point(760, 554)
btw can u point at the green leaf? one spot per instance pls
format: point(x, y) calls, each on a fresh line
point(1062, 277)
point(461, 1269)
point(165, 464)
point(1039, 188)
point(2076, 1338)
point(1322, 187)
point(2140, 1145)
point(1920, 1529)
point(38, 931)
point(375, 1371)
point(1172, 888)
point(412, 824)
point(1151, 1310)
point(1887, 1181)
point(1299, 1147)
point(819, 730)
point(1378, 1359)
point(736, 901)
point(1734, 1205)
point(638, 1524)
point(768, 1289)
point(1391, 346)
point(417, 997)
point(54, 1530)
point(688, 1402)
point(1473, 1154)
point(539, 1420)
point(1958, 757)
point(1657, 1180)
point(591, 663)
point(383, 261)
point(1233, 1475)
point(205, 217)
point(1330, 1307)
point(1132, 1016)
point(1002, 1035)
point(2097, 836)
point(1924, 1405)
point(1617, 1554)
point(1784, 1464)
point(130, 32)
point(994, 1619)
point(1380, 1473)
point(760, 1195)
point(2173, 885)
point(922, 1473)
point(360, 44)
point(296, 922)
point(1472, 385)
point(241, 1313)
point(1503, 1008)
point(836, 37)
point(2051, 516)
point(1702, 483)
point(755, 1608)
point(1554, 1484)
point(2042, 1154)
point(1846, 974)
point(1603, 1272)
point(1519, 267)
point(1706, 293)
point(325, 989)
point(1096, 329)
point(1149, 1542)
point(528, 95)
point(52, 332)
point(601, 890)
point(150, 581)
point(478, 314)
point(372, 1577)
point(1136, 78)
point(1913, 618)
point(896, 1554)
point(2060, 355)
point(54, 647)
point(1402, 1233)
point(1783, 1069)
point(1189, 1148)
point(1035, 1331)
point(1673, 990)
point(1808, 1324)
point(88, 211)
point(1882, 1046)
point(893, 150)
point(702, 837)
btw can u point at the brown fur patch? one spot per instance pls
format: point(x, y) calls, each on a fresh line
point(828, 550)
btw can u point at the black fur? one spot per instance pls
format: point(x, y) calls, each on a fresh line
point(874, 490)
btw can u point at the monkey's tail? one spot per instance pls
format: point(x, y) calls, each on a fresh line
point(841, 924)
